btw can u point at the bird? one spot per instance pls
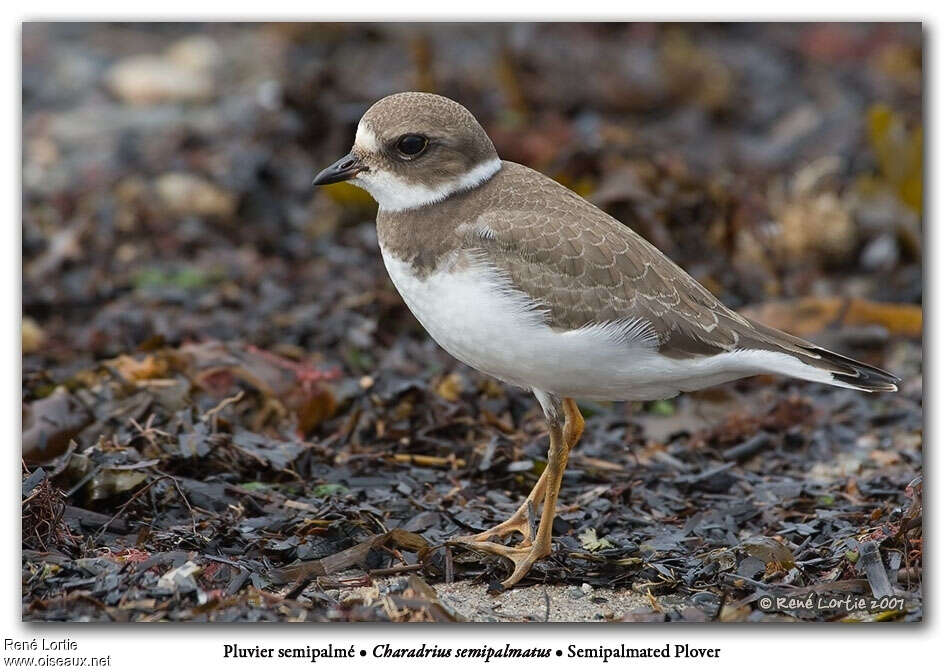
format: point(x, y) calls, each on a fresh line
point(524, 280)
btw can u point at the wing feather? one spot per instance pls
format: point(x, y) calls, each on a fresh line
point(586, 268)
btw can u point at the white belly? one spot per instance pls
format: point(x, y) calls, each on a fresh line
point(478, 319)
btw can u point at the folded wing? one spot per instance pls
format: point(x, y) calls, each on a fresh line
point(585, 268)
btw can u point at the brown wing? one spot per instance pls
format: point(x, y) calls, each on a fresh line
point(584, 267)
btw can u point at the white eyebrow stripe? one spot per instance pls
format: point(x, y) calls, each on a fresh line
point(395, 195)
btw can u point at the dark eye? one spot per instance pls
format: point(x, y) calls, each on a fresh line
point(411, 145)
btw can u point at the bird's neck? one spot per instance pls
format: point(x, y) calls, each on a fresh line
point(393, 194)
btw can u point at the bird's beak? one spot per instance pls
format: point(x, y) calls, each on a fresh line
point(343, 169)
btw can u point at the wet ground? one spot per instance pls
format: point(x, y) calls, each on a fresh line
point(230, 415)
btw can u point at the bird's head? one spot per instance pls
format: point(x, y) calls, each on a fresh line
point(413, 149)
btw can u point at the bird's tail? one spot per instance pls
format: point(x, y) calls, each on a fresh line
point(840, 371)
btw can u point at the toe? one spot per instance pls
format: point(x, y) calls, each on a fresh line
point(522, 557)
point(521, 569)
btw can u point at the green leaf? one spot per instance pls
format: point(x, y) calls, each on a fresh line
point(662, 407)
point(589, 540)
point(326, 489)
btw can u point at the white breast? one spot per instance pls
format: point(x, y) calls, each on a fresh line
point(476, 317)
point(474, 314)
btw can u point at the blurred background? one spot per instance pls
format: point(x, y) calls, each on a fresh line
point(193, 309)
point(167, 168)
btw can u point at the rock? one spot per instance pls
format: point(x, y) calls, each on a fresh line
point(186, 194)
point(269, 94)
point(520, 465)
point(146, 80)
point(881, 254)
point(182, 579)
point(575, 592)
point(198, 53)
point(184, 73)
point(32, 335)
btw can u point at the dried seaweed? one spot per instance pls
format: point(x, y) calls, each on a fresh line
point(229, 414)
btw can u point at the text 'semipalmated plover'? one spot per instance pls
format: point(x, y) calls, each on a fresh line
point(524, 280)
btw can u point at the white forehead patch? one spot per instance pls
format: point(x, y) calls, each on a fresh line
point(365, 139)
point(394, 194)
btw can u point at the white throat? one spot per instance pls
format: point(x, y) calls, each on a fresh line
point(394, 194)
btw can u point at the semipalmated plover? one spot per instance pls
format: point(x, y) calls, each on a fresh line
point(522, 279)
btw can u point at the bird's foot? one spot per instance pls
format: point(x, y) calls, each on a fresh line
point(522, 557)
point(521, 522)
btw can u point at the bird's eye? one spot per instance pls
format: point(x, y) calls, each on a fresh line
point(411, 145)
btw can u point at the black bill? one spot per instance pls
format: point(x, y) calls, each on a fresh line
point(343, 169)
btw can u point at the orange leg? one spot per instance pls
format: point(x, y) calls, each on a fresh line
point(562, 439)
